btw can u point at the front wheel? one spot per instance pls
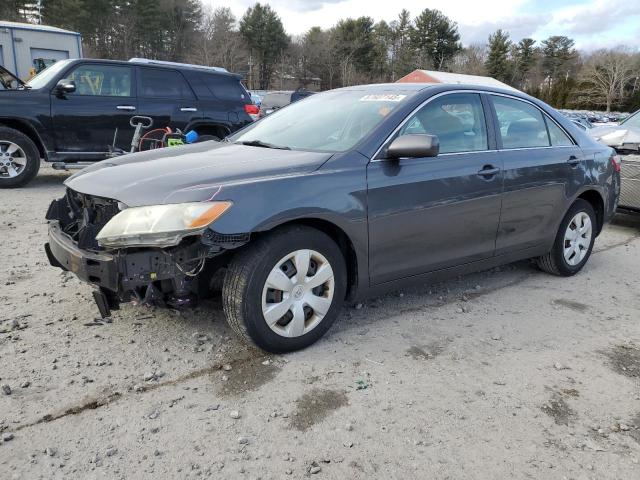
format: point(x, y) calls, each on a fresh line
point(19, 158)
point(284, 291)
point(574, 241)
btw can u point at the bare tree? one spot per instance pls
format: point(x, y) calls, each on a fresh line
point(221, 44)
point(470, 60)
point(605, 75)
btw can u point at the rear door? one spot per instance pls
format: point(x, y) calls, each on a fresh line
point(166, 97)
point(542, 169)
point(427, 214)
point(86, 121)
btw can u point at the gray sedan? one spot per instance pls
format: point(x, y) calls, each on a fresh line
point(343, 195)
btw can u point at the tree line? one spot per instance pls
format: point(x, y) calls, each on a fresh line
point(353, 51)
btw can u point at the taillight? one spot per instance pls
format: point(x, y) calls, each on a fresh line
point(616, 161)
point(252, 109)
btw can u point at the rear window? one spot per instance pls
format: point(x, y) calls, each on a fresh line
point(224, 87)
point(163, 83)
point(277, 100)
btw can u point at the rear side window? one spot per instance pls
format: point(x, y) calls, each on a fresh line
point(558, 137)
point(521, 125)
point(163, 83)
point(456, 119)
point(224, 87)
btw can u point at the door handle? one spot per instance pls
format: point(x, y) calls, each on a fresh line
point(488, 171)
point(126, 107)
point(188, 109)
point(573, 161)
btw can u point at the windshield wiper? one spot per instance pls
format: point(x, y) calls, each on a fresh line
point(260, 143)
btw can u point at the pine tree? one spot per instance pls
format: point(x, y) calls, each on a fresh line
point(435, 38)
point(497, 62)
point(264, 34)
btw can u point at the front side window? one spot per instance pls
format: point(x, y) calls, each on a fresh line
point(163, 83)
point(456, 119)
point(333, 121)
point(102, 80)
point(521, 125)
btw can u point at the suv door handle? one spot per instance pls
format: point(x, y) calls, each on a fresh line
point(188, 109)
point(488, 171)
point(573, 160)
point(126, 107)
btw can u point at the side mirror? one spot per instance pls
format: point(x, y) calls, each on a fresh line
point(65, 86)
point(414, 146)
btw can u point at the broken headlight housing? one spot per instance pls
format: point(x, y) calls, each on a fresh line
point(159, 225)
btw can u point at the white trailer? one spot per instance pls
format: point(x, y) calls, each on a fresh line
point(26, 49)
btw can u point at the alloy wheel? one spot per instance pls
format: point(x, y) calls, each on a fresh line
point(13, 160)
point(577, 239)
point(298, 293)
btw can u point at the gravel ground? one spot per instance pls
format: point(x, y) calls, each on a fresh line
point(510, 373)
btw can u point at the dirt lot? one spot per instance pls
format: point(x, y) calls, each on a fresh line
point(505, 374)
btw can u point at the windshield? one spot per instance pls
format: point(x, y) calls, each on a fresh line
point(47, 74)
point(334, 121)
point(632, 121)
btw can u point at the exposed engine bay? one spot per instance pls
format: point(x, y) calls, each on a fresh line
point(175, 276)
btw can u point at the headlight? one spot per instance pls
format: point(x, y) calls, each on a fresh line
point(159, 225)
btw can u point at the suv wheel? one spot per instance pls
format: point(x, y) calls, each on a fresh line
point(285, 290)
point(574, 241)
point(19, 158)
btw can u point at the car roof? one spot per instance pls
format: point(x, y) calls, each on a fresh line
point(173, 66)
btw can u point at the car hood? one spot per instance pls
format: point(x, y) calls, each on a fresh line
point(188, 173)
point(615, 135)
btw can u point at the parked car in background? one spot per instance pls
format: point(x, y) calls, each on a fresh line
point(630, 188)
point(272, 101)
point(348, 194)
point(76, 110)
point(624, 136)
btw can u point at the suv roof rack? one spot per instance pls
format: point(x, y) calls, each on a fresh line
point(177, 64)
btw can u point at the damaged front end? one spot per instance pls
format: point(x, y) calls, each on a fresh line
point(164, 255)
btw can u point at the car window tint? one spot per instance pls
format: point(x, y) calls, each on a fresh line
point(558, 137)
point(456, 119)
point(224, 87)
point(102, 80)
point(521, 125)
point(163, 83)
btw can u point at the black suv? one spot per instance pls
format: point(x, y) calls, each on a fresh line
point(76, 110)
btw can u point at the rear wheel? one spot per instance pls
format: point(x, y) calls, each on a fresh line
point(19, 158)
point(284, 291)
point(574, 241)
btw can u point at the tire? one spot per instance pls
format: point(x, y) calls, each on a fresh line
point(245, 293)
point(17, 174)
point(555, 262)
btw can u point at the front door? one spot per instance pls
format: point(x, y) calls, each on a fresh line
point(166, 97)
point(426, 214)
point(86, 121)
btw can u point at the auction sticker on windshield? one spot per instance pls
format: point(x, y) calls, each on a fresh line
point(389, 97)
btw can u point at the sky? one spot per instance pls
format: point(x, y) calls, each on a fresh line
point(592, 24)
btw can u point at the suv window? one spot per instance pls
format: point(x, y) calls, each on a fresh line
point(276, 100)
point(521, 125)
point(224, 87)
point(457, 120)
point(558, 137)
point(163, 83)
point(102, 80)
